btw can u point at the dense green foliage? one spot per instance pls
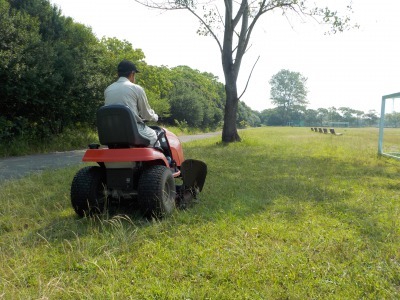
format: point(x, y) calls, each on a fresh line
point(196, 97)
point(48, 70)
point(298, 215)
point(53, 72)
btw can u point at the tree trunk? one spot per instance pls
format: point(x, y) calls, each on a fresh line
point(229, 132)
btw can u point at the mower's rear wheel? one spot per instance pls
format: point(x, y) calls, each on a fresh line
point(88, 191)
point(156, 192)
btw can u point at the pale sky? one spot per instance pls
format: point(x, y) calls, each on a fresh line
point(353, 69)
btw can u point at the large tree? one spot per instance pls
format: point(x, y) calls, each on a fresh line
point(289, 92)
point(233, 29)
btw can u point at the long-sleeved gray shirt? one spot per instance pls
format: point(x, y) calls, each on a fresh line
point(124, 92)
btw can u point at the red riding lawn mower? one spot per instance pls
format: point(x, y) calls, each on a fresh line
point(130, 170)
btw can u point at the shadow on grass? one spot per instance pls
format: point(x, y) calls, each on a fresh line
point(251, 184)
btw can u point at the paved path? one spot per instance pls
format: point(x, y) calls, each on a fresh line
point(17, 167)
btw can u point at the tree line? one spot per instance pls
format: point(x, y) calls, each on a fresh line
point(301, 116)
point(53, 72)
point(289, 94)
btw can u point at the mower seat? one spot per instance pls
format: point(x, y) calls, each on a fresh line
point(117, 128)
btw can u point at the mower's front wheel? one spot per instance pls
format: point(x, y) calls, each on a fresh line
point(156, 192)
point(88, 191)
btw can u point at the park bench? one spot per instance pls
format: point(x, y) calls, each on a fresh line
point(332, 130)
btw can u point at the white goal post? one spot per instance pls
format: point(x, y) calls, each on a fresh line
point(395, 155)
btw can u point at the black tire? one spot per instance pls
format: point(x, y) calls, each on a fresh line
point(156, 192)
point(88, 191)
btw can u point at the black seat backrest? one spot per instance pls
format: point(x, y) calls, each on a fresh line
point(117, 127)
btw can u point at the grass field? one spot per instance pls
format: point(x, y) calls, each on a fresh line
point(285, 214)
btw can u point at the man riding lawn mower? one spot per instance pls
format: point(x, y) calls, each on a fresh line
point(141, 162)
point(130, 170)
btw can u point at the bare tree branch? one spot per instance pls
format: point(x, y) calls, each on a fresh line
point(173, 6)
point(248, 79)
point(240, 13)
point(220, 16)
point(207, 26)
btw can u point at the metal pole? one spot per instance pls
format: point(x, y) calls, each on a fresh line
point(381, 126)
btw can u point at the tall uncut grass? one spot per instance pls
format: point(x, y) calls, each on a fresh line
point(285, 214)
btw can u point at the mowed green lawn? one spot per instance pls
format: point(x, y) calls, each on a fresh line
point(285, 214)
